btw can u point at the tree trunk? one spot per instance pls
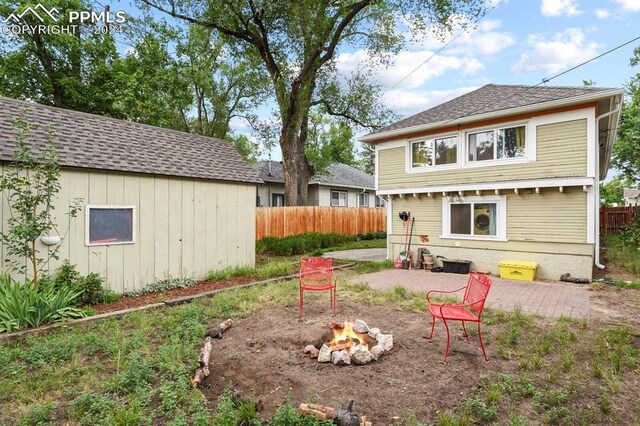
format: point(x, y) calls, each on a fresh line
point(296, 170)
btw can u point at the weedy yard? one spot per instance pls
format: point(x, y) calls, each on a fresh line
point(137, 370)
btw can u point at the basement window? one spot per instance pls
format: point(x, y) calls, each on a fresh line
point(106, 225)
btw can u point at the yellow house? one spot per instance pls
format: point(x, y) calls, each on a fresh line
point(157, 203)
point(502, 173)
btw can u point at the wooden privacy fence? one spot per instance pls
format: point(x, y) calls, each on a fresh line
point(612, 219)
point(284, 221)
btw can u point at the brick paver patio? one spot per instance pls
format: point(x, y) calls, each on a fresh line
point(550, 299)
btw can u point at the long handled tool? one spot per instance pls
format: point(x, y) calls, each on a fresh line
point(413, 220)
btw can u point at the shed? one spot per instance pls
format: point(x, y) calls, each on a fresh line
point(157, 203)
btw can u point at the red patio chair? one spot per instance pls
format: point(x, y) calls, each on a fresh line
point(316, 274)
point(470, 310)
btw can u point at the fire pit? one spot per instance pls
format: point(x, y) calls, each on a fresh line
point(352, 342)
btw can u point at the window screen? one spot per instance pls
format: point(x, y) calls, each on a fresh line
point(110, 225)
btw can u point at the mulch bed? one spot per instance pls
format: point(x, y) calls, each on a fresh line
point(159, 296)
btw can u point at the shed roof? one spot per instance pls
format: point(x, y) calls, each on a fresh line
point(337, 174)
point(94, 142)
point(487, 99)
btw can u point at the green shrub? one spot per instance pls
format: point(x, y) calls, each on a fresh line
point(630, 235)
point(91, 287)
point(303, 243)
point(25, 305)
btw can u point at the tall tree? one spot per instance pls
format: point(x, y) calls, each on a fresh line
point(329, 141)
point(297, 42)
point(58, 69)
point(626, 151)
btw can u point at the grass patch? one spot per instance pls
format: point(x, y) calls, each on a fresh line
point(273, 269)
point(230, 272)
point(365, 267)
point(626, 256)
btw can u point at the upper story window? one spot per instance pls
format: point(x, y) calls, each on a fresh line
point(436, 152)
point(509, 142)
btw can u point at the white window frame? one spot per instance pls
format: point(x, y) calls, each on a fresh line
point(501, 216)
point(87, 216)
point(530, 145)
point(363, 194)
point(339, 191)
point(432, 139)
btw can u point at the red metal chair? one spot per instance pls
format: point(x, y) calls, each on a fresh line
point(470, 310)
point(316, 274)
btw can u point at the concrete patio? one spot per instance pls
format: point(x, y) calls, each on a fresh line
point(549, 299)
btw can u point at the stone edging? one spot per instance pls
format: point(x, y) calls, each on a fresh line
point(171, 302)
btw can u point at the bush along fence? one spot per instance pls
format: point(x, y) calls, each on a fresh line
point(282, 222)
point(613, 219)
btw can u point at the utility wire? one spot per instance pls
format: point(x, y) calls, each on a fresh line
point(444, 47)
point(546, 80)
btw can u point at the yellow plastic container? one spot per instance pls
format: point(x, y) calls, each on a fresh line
point(518, 270)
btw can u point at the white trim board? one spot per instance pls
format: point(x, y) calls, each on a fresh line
point(490, 186)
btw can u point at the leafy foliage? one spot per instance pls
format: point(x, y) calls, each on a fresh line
point(162, 285)
point(25, 305)
point(297, 43)
point(30, 187)
point(91, 288)
point(305, 243)
point(630, 235)
point(626, 151)
point(612, 191)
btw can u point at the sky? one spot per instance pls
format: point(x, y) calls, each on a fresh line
point(516, 42)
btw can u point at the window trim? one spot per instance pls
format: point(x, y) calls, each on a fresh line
point(501, 211)
point(358, 199)
point(277, 194)
point(346, 193)
point(530, 144)
point(87, 221)
point(432, 138)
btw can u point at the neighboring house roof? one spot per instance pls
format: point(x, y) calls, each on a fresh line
point(337, 174)
point(488, 99)
point(94, 142)
point(630, 193)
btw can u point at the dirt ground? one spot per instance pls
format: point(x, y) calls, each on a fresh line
point(262, 356)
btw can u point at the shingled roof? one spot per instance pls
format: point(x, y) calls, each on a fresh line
point(94, 142)
point(490, 98)
point(337, 174)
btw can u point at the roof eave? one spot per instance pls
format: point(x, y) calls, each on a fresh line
point(372, 138)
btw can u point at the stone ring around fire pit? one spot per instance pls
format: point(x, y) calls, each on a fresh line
point(352, 342)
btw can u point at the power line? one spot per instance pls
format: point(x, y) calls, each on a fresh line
point(546, 80)
point(443, 47)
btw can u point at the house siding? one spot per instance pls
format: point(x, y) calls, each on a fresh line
point(553, 141)
point(184, 227)
point(550, 228)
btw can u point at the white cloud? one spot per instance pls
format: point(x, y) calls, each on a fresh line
point(629, 5)
point(562, 51)
point(483, 40)
point(559, 8)
point(602, 13)
point(406, 62)
point(411, 102)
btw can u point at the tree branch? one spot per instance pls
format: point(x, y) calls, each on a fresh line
point(343, 114)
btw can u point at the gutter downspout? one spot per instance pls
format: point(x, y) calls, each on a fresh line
point(389, 213)
point(597, 184)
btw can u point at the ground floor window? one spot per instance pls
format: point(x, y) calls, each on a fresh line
point(110, 225)
point(338, 198)
point(277, 200)
point(363, 199)
point(474, 217)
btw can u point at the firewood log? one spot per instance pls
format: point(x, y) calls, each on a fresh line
point(199, 376)
point(205, 353)
point(339, 416)
point(219, 329)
